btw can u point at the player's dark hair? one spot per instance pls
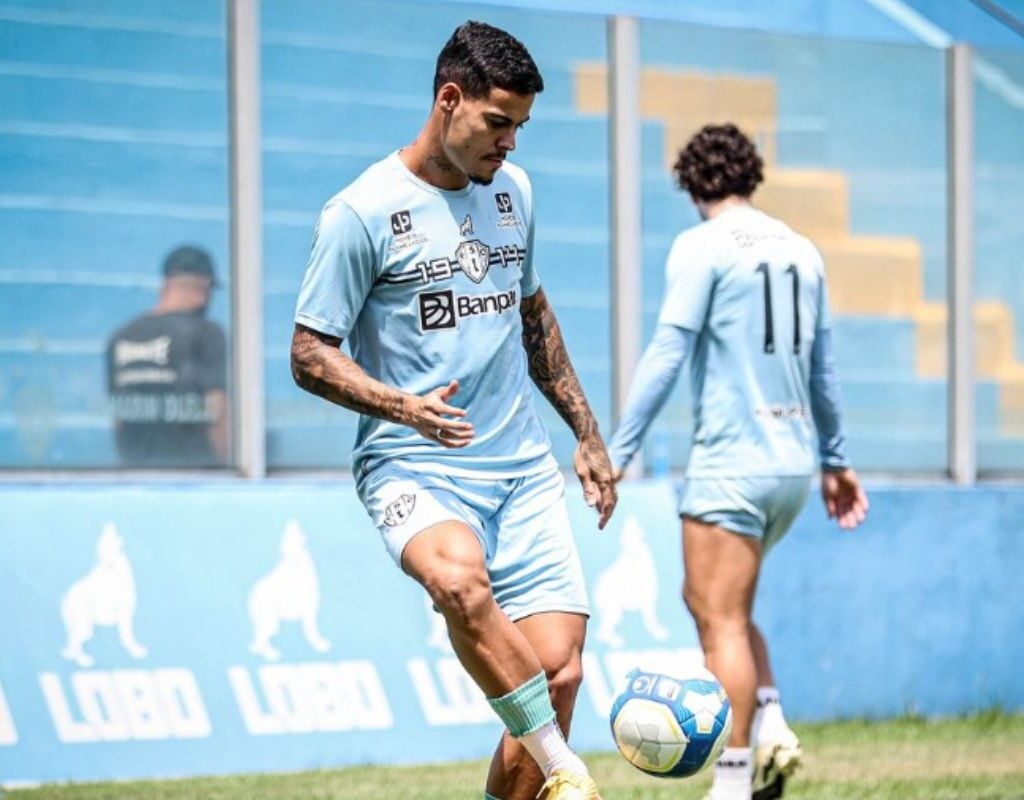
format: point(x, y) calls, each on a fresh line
point(719, 161)
point(479, 57)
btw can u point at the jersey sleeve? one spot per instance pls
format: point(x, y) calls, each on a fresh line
point(340, 274)
point(655, 376)
point(530, 282)
point(689, 282)
point(824, 317)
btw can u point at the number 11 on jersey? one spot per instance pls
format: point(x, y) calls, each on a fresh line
point(769, 327)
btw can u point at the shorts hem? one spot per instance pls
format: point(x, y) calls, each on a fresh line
point(549, 608)
point(724, 524)
point(453, 518)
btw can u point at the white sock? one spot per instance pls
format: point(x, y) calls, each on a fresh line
point(733, 775)
point(769, 721)
point(550, 751)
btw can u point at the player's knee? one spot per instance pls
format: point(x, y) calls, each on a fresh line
point(714, 616)
point(460, 591)
point(563, 686)
point(564, 682)
point(694, 601)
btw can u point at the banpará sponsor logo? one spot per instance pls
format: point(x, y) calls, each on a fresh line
point(311, 697)
point(444, 310)
point(125, 705)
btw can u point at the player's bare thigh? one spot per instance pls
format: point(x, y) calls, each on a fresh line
point(447, 559)
point(721, 570)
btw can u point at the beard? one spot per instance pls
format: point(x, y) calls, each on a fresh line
point(481, 180)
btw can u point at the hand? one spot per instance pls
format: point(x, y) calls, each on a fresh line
point(616, 475)
point(844, 498)
point(431, 415)
point(595, 473)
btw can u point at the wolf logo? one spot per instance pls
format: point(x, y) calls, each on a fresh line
point(466, 229)
point(104, 596)
point(630, 583)
point(290, 592)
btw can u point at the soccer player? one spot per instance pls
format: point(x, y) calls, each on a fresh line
point(746, 302)
point(424, 264)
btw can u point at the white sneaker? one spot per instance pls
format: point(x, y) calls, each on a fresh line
point(775, 761)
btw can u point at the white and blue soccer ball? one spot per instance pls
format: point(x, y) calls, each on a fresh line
point(671, 727)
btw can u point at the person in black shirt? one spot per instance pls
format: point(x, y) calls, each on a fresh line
point(167, 373)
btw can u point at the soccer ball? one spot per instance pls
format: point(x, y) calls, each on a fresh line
point(671, 727)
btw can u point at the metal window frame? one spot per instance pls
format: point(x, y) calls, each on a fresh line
point(625, 204)
point(961, 377)
point(246, 214)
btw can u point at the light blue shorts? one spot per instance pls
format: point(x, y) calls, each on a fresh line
point(522, 525)
point(760, 507)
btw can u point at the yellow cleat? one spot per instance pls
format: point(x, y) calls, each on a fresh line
point(565, 785)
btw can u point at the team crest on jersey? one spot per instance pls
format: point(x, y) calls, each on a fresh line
point(399, 511)
point(466, 229)
point(475, 258)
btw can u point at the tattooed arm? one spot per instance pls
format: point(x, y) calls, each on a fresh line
point(321, 368)
point(554, 375)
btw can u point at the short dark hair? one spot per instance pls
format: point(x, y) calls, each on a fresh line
point(719, 161)
point(190, 260)
point(479, 57)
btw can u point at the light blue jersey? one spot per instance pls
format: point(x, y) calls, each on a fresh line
point(425, 285)
point(754, 292)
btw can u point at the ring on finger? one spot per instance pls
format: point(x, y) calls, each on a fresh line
point(440, 433)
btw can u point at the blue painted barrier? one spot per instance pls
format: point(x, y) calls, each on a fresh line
point(222, 628)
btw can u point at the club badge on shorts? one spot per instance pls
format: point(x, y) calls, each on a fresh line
point(399, 511)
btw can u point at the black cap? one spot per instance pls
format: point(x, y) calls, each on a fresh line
point(189, 260)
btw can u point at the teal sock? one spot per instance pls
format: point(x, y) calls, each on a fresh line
point(526, 708)
point(489, 796)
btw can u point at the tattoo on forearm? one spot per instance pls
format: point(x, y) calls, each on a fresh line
point(319, 367)
point(550, 367)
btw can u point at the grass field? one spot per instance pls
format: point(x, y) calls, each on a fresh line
point(973, 758)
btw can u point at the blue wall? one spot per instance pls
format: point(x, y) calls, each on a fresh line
point(922, 610)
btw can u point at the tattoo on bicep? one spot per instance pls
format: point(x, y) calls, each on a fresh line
point(549, 364)
point(321, 368)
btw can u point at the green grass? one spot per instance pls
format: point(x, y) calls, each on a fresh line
point(971, 758)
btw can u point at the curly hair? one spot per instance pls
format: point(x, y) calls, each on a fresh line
point(719, 161)
point(479, 57)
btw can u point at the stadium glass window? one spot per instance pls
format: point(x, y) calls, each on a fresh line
point(113, 131)
point(999, 241)
point(822, 113)
point(344, 84)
